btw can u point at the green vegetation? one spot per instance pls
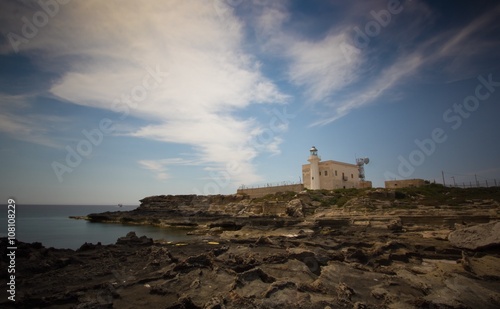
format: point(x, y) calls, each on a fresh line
point(335, 197)
point(430, 195)
point(342, 200)
point(279, 197)
point(435, 195)
point(328, 201)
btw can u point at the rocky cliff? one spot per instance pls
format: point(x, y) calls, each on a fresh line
point(220, 205)
point(409, 208)
point(209, 212)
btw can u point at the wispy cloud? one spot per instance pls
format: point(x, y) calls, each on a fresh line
point(387, 79)
point(456, 42)
point(206, 76)
point(468, 50)
point(32, 129)
point(339, 79)
point(17, 121)
point(336, 84)
point(322, 67)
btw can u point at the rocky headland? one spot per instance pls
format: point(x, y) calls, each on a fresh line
point(429, 247)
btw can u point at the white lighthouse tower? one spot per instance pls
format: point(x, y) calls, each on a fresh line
point(314, 160)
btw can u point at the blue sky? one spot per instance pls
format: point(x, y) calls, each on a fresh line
point(106, 102)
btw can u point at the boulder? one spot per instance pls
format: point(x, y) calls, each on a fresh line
point(476, 237)
point(294, 208)
point(132, 239)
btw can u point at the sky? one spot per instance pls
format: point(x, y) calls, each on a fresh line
point(106, 102)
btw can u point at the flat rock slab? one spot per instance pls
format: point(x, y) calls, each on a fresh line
point(476, 237)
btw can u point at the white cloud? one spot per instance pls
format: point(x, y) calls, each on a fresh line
point(322, 66)
point(319, 66)
point(111, 47)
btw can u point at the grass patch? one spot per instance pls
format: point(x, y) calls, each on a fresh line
point(279, 196)
point(434, 195)
point(329, 201)
point(342, 200)
point(430, 195)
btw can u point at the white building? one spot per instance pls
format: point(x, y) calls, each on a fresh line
point(331, 174)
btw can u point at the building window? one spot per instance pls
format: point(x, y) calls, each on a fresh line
point(320, 173)
point(326, 173)
point(352, 176)
point(335, 173)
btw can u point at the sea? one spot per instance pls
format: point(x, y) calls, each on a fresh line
point(51, 226)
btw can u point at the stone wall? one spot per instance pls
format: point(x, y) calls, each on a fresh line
point(260, 192)
point(365, 184)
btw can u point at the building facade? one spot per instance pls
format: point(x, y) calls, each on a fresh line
point(404, 183)
point(330, 174)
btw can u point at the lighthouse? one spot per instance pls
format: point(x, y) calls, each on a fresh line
point(314, 160)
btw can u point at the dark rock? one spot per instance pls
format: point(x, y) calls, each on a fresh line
point(215, 303)
point(226, 225)
point(220, 250)
point(355, 255)
point(86, 247)
point(264, 240)
point(401, 255)
point(395, 225)
point(133, 240)
point(254, 274)
point(279, 285)
point(276, 258)
point(379, 293)
point(100, 298)
point(344, 291)
point(37, 245)
point(159, 290)
point(184, 302)
point(204, 260)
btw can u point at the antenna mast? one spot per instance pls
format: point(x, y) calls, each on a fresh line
point(360, 162)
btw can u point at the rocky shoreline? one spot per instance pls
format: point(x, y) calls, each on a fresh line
point(372, 249)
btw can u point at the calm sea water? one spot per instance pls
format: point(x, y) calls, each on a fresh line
point(50, 225)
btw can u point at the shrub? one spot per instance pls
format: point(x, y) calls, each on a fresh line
point(342, 200)
point(330, 201)
point(399, 195)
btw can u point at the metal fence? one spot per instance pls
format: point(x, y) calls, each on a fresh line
point(486, 183)
point(268, 185)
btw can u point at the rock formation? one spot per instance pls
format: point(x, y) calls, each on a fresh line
point(477, 237)
point(314, 249)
